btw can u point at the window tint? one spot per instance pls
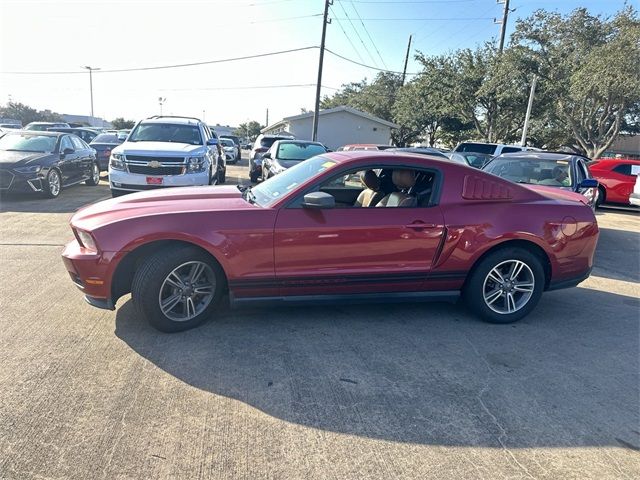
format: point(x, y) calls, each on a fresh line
point(27, 142)
point(554, 173)
point(511, 149)
point(582, 171)
point(106, 138)
point(66, 143)
point(77, 143)
point(477, 148)
point(624, 169)
point(298, 151)
point(267, 142)
point(166, 132)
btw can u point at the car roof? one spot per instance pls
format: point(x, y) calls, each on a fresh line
point(172, 120)
point(348, 155)
point(529, 155)
point(47, 133)
point(293, 140)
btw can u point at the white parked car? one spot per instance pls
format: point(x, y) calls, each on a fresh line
point(166, 152)
point(634, 198)
point(230, 150)
point(493, 149)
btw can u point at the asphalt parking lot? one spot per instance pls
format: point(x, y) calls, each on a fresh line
point(385, 391)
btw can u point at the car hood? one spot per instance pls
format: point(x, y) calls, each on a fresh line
point(557, 193)
point(142, 148)
point(160, 202)
point(18, 159)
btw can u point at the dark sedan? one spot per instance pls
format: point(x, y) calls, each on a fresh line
point(45, 162)
point(103, 144)
point(547, 171)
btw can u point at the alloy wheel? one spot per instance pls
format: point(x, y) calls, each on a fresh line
point(187, 291)
point(53, 179)
point(96, 174)
point(508, 287)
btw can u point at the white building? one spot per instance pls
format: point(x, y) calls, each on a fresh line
point(336, 127)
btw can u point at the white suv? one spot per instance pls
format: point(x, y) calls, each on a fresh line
point(494, 149)
point(166, 152)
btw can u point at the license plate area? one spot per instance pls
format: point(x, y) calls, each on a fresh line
point(154, 180)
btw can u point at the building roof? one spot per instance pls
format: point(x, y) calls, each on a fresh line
point(342, 108)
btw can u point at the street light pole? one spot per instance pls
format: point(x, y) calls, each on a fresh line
point(161, 101)
point(523, 140)
point(91, 69)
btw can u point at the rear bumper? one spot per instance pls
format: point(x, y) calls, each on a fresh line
point(634, 199)
point(569, 282)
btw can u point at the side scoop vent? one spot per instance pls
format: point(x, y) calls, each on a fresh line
point(478, 188)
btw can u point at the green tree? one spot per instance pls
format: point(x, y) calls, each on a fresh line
point(589, 67)
point(249, 130)
point(120, 123)
point(26, 114)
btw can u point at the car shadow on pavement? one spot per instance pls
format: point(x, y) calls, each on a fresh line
point(622, 249)
point(70, 200)
point(421, 373)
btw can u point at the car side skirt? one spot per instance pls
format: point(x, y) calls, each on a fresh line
point(351, 298)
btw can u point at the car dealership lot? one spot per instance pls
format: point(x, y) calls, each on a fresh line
point(387, 391)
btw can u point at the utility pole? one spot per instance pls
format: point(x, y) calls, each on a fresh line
point(266, 124)
point(523, 140)
point(406, 60)
point(316, 110)
point(91, 69)
point(503, 23)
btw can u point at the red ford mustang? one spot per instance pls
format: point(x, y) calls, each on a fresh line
point(356, 226)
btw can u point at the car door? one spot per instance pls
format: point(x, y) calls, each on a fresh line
point(623, 183)
point(355, 249)
point(84, 157)
point(68, 161)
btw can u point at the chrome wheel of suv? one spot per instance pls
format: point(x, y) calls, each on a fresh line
point(187, 291)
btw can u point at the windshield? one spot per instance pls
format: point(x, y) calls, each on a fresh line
point(227, 143)
point(28, 143)
point(166, 132)
point(555, 173)
point(298, 151)
point(106, 138)
point(271, 190)
point(477, 147)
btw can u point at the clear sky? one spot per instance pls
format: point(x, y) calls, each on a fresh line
point(64, 35)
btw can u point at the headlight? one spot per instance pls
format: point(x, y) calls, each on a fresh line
point(196, 165)
point(277, 167)
point(117, 161)
point(86, 240)
point(29, 169)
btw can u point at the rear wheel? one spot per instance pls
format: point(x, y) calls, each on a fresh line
point(505, 285)
point(253, 176)
point(53, 184)
point(177, 288)
point(95, 176)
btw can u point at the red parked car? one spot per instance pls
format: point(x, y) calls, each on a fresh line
point(616, 179)
point(367, 226)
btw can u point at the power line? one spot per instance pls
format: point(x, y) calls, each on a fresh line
point(414, 19)
point(412, 1)
point(180, 65)
point(367, 32)
point(356, 30)
point(284, 19)
point(365, 65)
point(347, 36)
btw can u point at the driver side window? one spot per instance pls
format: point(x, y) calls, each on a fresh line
point(65, 143)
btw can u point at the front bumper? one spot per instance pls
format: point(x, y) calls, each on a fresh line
point(12, 181)
point(119, 180)
point(634, 199)
point(90, 272)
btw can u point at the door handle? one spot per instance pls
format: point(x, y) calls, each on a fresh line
point(419, 225)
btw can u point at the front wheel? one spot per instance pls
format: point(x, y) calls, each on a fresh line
point(177, 288)
point(53, 184)
point(222, 176)
point(95, 176)
point(505, 285)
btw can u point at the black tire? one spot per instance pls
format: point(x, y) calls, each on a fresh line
point(48, 187)
point(222, 176)
point(602, 196)
point(253, 176)
point(150, 276)
point(211, 177)
point(474, 290)
point(95, 176)
point(117, 193)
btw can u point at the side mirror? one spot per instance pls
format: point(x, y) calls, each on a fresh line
point(318, 200)
point(67, 151)
point(588, 183)
point(212, 141)
point(266, 155)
